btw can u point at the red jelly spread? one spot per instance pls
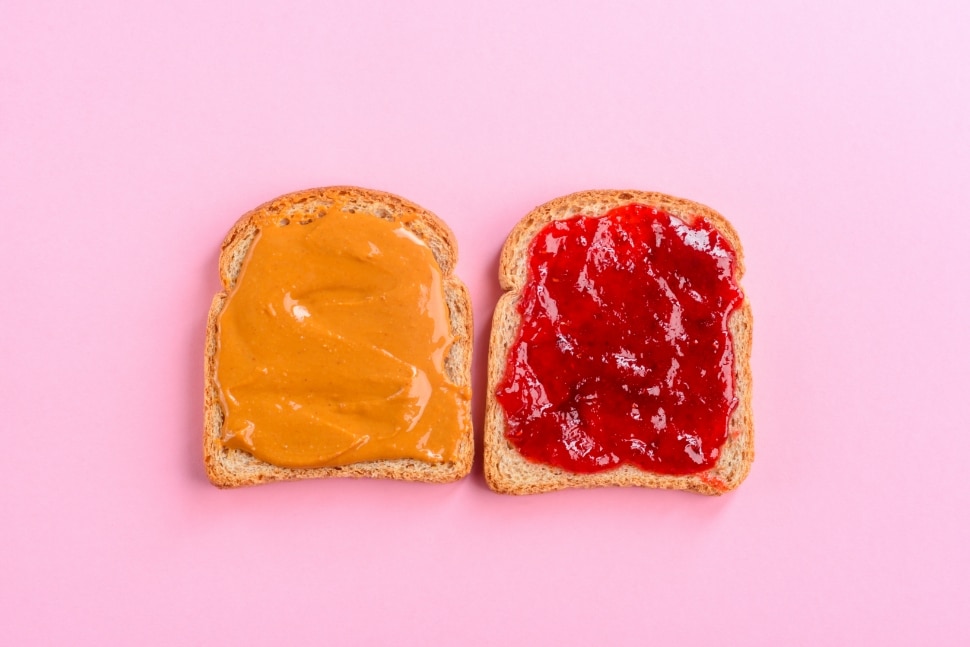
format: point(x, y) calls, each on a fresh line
point(623, 354)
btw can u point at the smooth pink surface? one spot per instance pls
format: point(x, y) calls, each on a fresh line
point(835, 136)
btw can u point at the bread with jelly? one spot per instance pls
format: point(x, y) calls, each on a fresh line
point(506, 469)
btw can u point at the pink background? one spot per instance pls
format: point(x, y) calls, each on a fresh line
point(834, 135)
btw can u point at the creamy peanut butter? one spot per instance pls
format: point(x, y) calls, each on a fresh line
point(332, 347)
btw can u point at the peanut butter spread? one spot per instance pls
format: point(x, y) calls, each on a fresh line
point(332, 346)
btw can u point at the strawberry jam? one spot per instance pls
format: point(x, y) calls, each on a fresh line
point(624, 354)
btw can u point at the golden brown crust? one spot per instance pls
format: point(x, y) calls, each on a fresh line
point(233, 468)
point(505, 469)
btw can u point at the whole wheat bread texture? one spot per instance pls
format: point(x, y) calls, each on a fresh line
point(506, 470)
point(233, 468)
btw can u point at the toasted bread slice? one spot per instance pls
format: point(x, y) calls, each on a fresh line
point(231, 467)
point(506, 470)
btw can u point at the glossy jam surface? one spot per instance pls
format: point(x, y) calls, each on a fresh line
point(332, 346)
point(624, 354)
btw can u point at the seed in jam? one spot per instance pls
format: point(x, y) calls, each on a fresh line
point(624, 355)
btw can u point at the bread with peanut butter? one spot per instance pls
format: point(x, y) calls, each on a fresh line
point(340, 345)
point(589, 390)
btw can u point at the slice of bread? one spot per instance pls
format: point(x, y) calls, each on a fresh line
point(231, 467)
point(506, 470)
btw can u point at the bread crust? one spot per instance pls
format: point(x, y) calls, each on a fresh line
point(506, 470)
point(228, 468)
